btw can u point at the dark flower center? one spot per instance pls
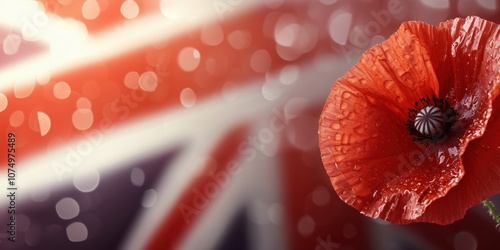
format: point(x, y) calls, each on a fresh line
point(430, 120)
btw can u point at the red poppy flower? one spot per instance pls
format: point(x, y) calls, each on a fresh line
point(411, 132)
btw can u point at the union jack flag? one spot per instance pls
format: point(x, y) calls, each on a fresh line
point(190, 124)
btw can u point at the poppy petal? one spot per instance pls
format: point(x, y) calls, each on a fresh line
point(481, 180)
point(373, 164)
point(481, 159)
point(475, 56)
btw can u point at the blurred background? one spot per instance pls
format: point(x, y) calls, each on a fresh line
point(166, 124)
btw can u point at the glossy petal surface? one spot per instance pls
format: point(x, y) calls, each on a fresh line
point(481, 159)
point(481, 179)
point(373, 164)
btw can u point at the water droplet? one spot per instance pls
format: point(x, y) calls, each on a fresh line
point(359, 129)
point(401, 72)
point(346, 139)
point(389, 85)
point(352, 80)
point(371, 99)
point(338, 137)
point(346, 94)
point(339, 158)
point(344, 106)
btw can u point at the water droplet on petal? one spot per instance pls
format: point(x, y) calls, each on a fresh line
point(346, 94)
point(360, 130)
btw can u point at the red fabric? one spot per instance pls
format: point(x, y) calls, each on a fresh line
point(201, 192)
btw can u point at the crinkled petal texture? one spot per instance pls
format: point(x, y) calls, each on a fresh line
point(369, 155)
point(477, 73)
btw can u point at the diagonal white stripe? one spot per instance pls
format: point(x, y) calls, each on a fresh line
point(72, 49)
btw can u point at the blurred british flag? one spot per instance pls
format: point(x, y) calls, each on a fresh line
point(166, 124)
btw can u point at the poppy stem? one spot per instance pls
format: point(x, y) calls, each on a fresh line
point(492, 211)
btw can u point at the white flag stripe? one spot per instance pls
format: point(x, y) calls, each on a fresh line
point(79, 49)
point(263, 195)
point(253, 105)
